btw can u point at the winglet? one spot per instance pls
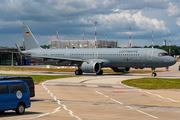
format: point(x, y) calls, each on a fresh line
point(20, 52)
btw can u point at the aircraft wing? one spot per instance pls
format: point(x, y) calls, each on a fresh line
point(72, 59)
point(60, 58)
point(78, 62)
point(104, 62)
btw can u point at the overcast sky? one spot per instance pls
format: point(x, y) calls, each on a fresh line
point(114, 18)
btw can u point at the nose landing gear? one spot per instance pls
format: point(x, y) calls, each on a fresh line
point(153, 73)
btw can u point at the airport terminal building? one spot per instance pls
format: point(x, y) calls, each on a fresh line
point(10, 56)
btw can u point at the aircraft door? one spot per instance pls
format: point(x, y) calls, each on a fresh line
point(149, 55)
point(95, 55)
point(37, 53)
point(67, 54)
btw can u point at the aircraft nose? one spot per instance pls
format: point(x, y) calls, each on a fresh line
point(172, 60)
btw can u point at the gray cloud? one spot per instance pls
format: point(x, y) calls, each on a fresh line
point(114, 18)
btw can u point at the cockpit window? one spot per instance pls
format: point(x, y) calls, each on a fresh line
point(162, 54)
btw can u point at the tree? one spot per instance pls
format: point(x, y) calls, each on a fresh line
point(45, 46)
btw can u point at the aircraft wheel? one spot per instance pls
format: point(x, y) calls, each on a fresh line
point(154, 74)
point(81, 72)
point(100, 72)
point(78, 72)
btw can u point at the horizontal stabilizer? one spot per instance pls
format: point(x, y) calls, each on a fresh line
point(20, 52)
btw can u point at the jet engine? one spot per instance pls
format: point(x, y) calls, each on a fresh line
point(121, 69)
point(91, 67)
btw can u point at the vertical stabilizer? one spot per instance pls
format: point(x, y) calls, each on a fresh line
point(29, 39)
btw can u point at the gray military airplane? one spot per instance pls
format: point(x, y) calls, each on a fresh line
point(94, 59)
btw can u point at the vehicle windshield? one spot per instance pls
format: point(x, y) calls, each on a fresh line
point(162, 54)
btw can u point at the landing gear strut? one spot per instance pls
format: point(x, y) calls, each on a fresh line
point(100, 72)
point(153, 73)
point(79, 72)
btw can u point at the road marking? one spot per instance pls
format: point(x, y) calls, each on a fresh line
point(126, 106)
point(146, 114)
point(172, 100)
point(118, 91)
point(116, 101)
point(99, 93)
point(106, 96)
point(129, 107)
point(59, 102)
point(150, 93)
point(34, 117)
point(56, 110)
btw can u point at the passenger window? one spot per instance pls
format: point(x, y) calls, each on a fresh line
point(17, 87)
point(4, 89)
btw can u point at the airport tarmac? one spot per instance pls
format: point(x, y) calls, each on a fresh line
point(92, 97)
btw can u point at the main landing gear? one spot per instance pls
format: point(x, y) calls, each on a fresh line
point(79, 72)
point(153, 73)
point(100, 72)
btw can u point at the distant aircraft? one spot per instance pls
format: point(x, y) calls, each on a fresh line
point(92, 60)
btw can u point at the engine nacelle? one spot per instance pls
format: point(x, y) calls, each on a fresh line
point(91, 67)
point(121, 69)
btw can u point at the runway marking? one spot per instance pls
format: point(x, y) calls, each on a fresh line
point(116, 101)
point(38, 116)
point(129, 107)
point(126, 106)
point(149, 93)
point(118, 91)
point(58, 102)
point(56, 110)
point(98, 92)
point(106, 96)
point(172, 100)
point(146, 114)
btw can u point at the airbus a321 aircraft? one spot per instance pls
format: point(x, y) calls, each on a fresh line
point(92, 60)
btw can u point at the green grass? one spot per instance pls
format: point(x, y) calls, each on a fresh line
point(40, 78)
point(154, 83)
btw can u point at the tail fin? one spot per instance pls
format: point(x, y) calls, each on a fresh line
point(30, 40)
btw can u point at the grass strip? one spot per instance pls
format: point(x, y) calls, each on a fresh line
point(154, 83)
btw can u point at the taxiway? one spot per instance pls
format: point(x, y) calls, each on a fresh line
point(92, 97)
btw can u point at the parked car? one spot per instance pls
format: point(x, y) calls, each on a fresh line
point(179, 67)
point(28, 80)
point(14, 95)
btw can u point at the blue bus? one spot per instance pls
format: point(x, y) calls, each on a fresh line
point(14, 95)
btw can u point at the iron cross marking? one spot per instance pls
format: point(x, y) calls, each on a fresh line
point(127, 59)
